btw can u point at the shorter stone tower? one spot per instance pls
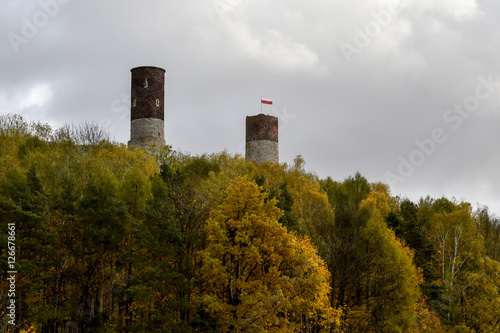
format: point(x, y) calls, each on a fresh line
point(147, 126)
point(262, 139)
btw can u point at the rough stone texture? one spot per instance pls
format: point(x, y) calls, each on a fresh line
point(148, 93)
point(262, 139)
point(260, 151)
point(146, 131)
point(147, 127)
point(147, 107)
point(261, 127)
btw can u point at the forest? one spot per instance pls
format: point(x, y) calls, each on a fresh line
point(112, 240)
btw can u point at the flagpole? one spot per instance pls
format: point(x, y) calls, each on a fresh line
point(260, 104)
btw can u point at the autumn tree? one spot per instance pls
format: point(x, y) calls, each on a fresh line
point(375, 280)
point(110, 239)
point(466, 274)
point(257, 277)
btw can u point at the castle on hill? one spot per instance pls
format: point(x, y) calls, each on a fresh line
point(147, 121)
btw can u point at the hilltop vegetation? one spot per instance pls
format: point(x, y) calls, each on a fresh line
point(112, 240)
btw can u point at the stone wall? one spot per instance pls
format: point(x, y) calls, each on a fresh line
point(146, 131)
point(262, 139)
point(147, 107)
point(260, 151)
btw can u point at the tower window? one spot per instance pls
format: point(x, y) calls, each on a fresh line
point(157, 102)
point(134, 102)
point(159, 134)
point(265, 125)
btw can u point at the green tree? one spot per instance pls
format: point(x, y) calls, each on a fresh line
point(368, 262)
point(135, 190)
point(413, 231)
point(489, 228)
point(23, 203)
point(467, 275)
point(285, 203)
point(389, 282)
point(345, 257)
point(159, 287)
point(156, 295)
point(100, 230)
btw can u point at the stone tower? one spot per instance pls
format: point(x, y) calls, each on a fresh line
point(147, 107)
point(262, 139)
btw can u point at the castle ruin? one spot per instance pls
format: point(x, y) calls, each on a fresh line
point(262, 139)
point(147, 126)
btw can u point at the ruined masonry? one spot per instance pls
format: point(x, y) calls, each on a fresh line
point(262, 139)
point(147, 126)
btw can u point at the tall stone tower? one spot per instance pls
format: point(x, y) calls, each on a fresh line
point(262, 139)
point(147, 107)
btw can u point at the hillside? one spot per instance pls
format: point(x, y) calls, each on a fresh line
point(103, 239)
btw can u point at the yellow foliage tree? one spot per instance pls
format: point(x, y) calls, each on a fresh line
point(427, 321)
point(379, 198)
point(257, 277)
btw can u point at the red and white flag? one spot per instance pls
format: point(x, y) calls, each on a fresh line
point(266, 101)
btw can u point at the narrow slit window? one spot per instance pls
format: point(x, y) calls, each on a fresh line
point(157, 102)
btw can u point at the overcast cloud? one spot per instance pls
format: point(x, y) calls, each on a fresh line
point(407, 92)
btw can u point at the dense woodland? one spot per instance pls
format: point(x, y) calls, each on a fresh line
point(112, 240)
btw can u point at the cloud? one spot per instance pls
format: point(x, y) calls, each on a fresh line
point(31, 99)
point(349, 117)
point(38, 96)
point(460, 10)
point(271, 47)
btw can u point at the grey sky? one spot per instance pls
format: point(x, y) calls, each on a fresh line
point(407, 92)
